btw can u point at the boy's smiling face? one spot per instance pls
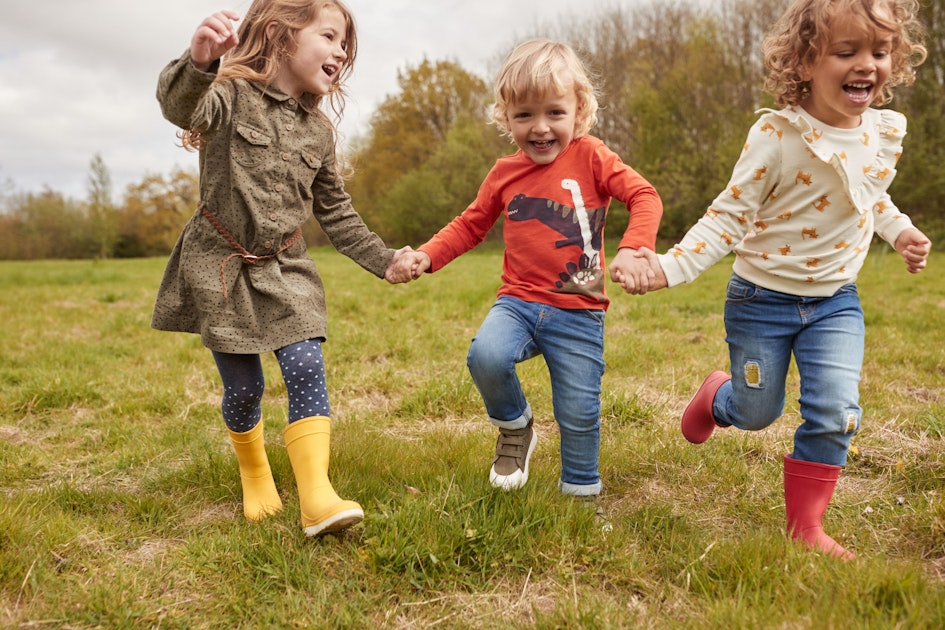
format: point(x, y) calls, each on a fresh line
point(543, 126)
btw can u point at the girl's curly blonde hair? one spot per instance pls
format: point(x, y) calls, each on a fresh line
point(801, 36)
point(537, 68)
point(259, 55)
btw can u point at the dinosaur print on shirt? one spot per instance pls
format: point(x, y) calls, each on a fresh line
point(579, 226)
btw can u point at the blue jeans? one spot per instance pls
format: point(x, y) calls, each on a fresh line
point(572, 343)
point(825, 335)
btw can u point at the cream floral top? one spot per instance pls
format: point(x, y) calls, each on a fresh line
point(802, 205)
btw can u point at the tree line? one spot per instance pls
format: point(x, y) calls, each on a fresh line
point(680, 86)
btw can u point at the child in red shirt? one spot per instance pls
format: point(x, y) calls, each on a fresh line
point(553, 193)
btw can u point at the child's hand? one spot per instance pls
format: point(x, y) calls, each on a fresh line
point(914, 247)
point(417, 263)
point(406, 265)
point(213, 37)
point(659, 278)
point(397, 271)
point(631, 272)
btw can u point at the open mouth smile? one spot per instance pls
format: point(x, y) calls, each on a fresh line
point(860, 92)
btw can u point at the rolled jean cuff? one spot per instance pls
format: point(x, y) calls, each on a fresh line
point(580, 491)
point(518, 423)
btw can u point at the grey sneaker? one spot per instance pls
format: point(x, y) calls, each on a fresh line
point(513, 449)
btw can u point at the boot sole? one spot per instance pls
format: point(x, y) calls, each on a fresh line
point(335, 523)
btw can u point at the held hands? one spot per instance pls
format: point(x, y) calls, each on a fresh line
point(213, 37)
point(659, 278)
point(914, 247)
point(412, 264)
point(394, 273)
point(406, 265)
point(636, 272)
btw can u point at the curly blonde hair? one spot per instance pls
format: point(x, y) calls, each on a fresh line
point(259, 55)
point(801, 36)
point(537, 68)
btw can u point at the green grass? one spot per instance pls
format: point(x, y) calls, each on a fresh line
point(120, 495)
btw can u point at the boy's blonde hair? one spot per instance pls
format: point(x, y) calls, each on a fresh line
point(258, 56)
point(801, 36)
point(537, 68)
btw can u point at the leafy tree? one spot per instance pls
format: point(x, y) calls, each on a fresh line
point(409, 127)
point(101, 209)
point(154, 213)
point(429, 197)
point(46, 225)
point(679, 87)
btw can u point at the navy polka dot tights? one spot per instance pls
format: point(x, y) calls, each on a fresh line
point(303, 371)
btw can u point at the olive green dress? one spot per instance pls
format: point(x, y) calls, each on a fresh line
point(267, 164)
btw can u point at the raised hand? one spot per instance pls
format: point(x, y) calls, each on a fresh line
point(215, 35)
point(914, 247)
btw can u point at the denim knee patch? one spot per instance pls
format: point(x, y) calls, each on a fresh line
point(851, 420)
point(753, 374)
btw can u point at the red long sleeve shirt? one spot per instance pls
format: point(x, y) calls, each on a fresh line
point(554, 223)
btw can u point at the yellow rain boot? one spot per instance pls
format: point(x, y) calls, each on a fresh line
point(260, 497)
point(307, 441)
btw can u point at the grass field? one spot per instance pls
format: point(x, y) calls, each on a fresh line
point(120, 494)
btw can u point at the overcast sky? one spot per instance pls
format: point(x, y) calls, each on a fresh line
point(77, 78)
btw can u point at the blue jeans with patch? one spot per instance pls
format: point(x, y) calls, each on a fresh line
point(572, 344)
point(826, 337)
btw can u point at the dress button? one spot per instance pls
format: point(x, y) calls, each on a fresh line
point(285, 156)
point(272, 216)
point(289, 127)
point(278, 187)
point(267, 244)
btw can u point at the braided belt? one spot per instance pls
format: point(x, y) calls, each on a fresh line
point(241, 253)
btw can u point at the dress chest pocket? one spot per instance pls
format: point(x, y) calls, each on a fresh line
point(308, 169)
point(250, 145)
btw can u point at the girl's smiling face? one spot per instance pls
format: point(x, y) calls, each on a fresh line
point(848, 76)
point(320, 50)
point(543, 126)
